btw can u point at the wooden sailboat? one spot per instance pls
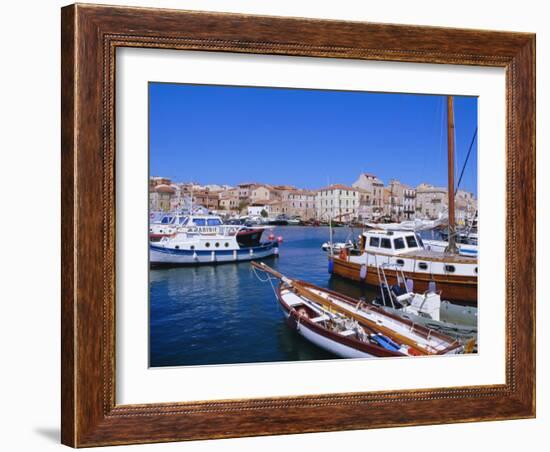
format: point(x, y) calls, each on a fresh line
point(455, 275)
point(350, 328)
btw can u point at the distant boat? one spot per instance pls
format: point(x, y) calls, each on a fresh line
point(281, 220)
point(351, 329)
point(337, 246)
point(439, 246)
point(206, 240)
point(293, 221)
point(410, 225)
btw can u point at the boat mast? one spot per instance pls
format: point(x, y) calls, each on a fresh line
point(451, 247)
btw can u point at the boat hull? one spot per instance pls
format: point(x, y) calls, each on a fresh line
point(453, 287)
point(159, 256)
point(327, 344)
point(329, 341)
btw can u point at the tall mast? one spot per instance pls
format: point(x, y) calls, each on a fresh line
point(451, 247)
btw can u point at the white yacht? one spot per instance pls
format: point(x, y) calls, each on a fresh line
point(204, 239)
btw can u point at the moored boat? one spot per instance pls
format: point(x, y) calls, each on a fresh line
point(337, 246)
point(350, 328)
point(439, 246)
point(454, 275)
point(213, 244)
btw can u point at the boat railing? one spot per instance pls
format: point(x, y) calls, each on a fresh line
point(227, 230)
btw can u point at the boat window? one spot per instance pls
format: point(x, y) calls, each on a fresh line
point(213, 222)
point(386, 243)
point(207, 244)
point(411, 241)
point(449, 268)
point(399, 243)
point(423, 266)
point(199, 221)
point(374, 241)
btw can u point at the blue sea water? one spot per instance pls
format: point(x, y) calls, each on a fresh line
point(222, 314)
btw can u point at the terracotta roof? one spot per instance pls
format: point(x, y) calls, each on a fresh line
point(162, 188)
point(338, 187)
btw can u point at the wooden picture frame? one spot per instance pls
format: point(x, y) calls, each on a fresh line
point(90, 36)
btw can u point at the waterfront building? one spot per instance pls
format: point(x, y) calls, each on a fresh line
point(466, 206)
point(205, 198)
point(337, 202)
point(160, 197)
point(256, 210)
point(400, 201)
point(246, 189)
point(375, 186)
point(156, 180)
point(263, 192)
point(301, 203)
point(276, 207)
point(365, 209)
point(229, 200)
point(431, 201)
point(409, 202)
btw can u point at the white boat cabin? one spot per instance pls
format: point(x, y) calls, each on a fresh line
point(391, 242)
point(406, 249)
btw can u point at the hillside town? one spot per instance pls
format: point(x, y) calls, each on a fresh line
point(366, 199)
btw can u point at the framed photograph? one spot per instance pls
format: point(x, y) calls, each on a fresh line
point(281, 225)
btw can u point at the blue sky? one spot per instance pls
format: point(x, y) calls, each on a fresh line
point(306, 138)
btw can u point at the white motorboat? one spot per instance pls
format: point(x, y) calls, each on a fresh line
point(439, 246)
point(204, 239)
point(337, 246)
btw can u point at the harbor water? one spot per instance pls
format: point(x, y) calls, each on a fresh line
point(223, 314)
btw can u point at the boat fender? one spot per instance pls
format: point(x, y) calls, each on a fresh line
point(410, 285)
point(330, 266)
point(363, 272)
point(432, 287)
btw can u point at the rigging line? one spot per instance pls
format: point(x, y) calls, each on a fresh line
point(466, 161)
